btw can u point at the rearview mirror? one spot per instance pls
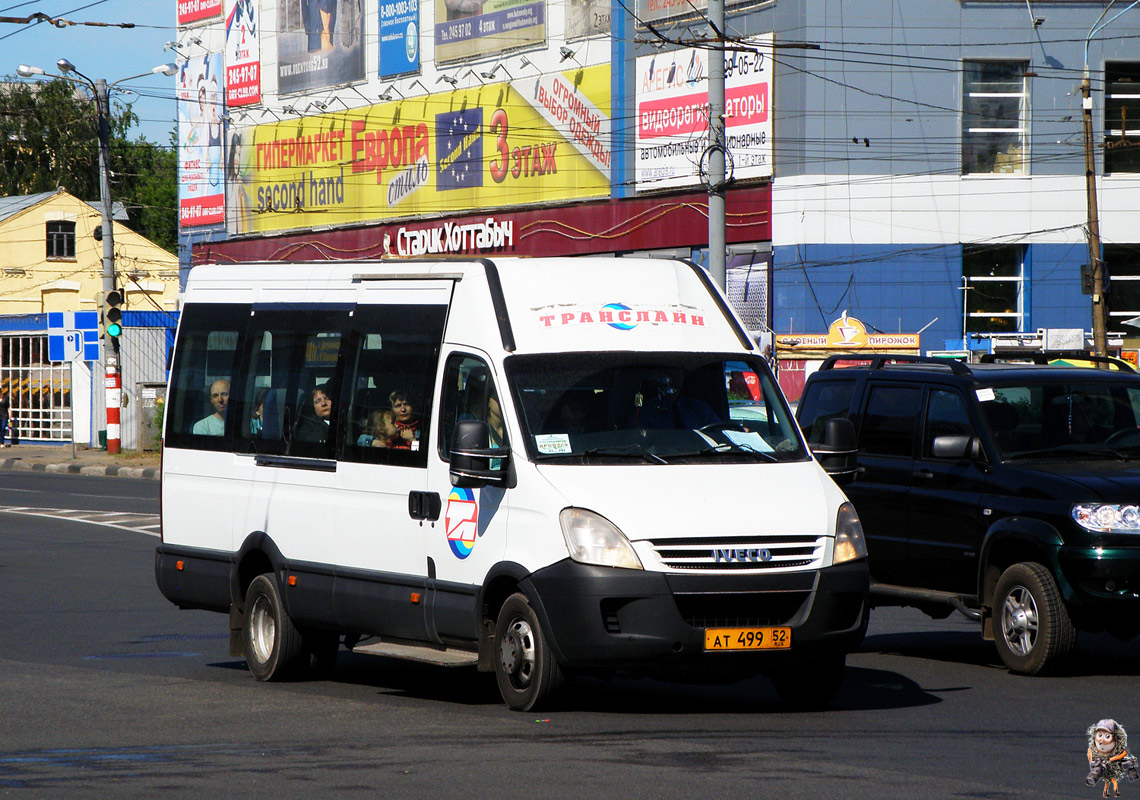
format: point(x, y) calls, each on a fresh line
point(957, 446)
point(474, 463)
point(837, 452)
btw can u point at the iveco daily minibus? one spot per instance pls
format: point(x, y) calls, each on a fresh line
point(542, 467)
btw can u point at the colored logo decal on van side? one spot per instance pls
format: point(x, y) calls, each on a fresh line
point(620, 307)
point(619, 316)
point(461, 521)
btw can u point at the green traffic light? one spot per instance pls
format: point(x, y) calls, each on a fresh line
point(114, 330)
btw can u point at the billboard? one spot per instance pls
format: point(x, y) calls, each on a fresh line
point(243, 53)
point(201, 187)
point(320, 43)
point(189, 11)
point(474, 28)
point(399, 37)
point(672, 115)
point(503, 144)
point(587, 18)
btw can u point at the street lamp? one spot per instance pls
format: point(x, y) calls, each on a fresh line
point(1099, 307)
point(101, 92)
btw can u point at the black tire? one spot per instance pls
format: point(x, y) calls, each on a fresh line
point(1032, 629)
point(273, 647)
point(525, 668)
point(810, 686)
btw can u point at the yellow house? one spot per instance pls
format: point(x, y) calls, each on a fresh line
point(51, 260)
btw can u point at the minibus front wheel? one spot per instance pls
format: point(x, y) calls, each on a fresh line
point(525, 668)
point(272, 645)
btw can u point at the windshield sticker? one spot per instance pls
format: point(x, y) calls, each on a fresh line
point(552, 444)
point(748, 441)
point(461, 521)
point(985, 395)
point(620, 316)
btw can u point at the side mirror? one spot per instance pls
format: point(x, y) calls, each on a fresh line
point(837, 452)
point(957, 446)
point(474, 463)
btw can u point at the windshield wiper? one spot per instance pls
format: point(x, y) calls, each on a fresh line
point(633, 449)
point(721, 449)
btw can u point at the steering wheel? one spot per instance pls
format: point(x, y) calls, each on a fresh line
point(721, 425)
point(1123, 435)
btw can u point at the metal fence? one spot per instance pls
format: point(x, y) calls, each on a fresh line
point(39, 392)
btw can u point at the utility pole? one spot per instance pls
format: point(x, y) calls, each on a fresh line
point(110, 350)
point(716, 147)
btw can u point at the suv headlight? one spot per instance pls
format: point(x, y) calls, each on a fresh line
point(1108, 518)
point(593, 539)
point(849, 541)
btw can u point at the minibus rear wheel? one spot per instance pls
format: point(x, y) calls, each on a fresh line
point(525, 668)
point(273, 647)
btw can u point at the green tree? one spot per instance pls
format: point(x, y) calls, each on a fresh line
point(49, 139)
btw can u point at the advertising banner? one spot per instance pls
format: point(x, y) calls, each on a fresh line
point(486, 147)
point(474, 28)
point(201, 187)
point(673, 111)
point(243, 53)
point(320, 43)
point(197, 10)
point(399, 37)
point(587, 18)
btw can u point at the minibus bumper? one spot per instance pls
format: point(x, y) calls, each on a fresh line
point(605, 617)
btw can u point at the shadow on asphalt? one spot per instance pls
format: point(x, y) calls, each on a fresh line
point(620, 694)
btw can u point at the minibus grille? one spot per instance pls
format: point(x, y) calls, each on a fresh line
point(739, 553)
point(741, 610)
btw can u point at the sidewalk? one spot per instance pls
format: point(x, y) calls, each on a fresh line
point(57, 458)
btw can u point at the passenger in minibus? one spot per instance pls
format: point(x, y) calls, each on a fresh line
point(407, 420)
point(215, 424)
point(314, 426)
point(380, 430)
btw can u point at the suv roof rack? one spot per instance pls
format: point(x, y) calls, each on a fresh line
point(879, 361)
point(1048, 356)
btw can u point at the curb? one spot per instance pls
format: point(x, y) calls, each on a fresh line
point(145, 473)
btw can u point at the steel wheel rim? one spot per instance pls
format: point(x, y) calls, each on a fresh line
point(262, 629)
point(516, 653)
point(1019, 621)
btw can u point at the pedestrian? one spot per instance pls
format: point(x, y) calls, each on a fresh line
point(5, 415)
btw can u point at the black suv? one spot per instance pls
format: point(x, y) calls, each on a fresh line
point(1010, 492)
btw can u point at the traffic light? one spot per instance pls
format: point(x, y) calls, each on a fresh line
point(113, 316)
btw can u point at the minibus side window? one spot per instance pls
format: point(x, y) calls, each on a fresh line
point(469, 393)
point(288, 402)
point(390, 359)
point(199, 400)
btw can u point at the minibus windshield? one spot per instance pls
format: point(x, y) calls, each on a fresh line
point(652, 408)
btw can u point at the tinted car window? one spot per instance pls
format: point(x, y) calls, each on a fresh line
point(823, 401)
point(891, 421)
point(945, 416)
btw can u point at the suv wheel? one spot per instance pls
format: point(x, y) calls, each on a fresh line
point(1033, 627)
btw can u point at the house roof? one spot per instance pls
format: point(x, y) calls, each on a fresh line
point(10, 206)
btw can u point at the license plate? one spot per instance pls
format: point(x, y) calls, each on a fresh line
point(717, 639)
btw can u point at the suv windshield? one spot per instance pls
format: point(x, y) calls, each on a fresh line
point(652, 408)
point(1037, 419)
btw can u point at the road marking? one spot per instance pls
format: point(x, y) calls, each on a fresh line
point(146, 524)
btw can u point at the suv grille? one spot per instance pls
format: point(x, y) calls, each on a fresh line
point(737, 553)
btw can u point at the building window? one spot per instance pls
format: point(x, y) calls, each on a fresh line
point(1122, 266)
point(995, 117)
point(61, 240)
point(1122, 116)
point(993, 277)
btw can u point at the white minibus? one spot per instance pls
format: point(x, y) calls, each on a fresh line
point(541, 467)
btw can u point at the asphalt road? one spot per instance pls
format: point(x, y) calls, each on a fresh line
point(108, 691)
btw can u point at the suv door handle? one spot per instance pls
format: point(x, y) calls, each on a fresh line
point(925, 474)
point(424, 505)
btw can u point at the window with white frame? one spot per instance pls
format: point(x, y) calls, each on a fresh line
point(60, 240)
point(1122, 265)
point(995, 117)
point(993, 280)
point(1122, 116)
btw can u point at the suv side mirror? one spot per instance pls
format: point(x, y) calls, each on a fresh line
point(474, 463)
point(957, 446)
point(836, 453)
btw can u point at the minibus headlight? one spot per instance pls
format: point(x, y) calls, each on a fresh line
point(849, 541)
point(593, 539)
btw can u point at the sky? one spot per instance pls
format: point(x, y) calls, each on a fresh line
point(110, 53)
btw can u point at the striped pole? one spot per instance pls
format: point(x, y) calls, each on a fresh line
point(114, 402)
